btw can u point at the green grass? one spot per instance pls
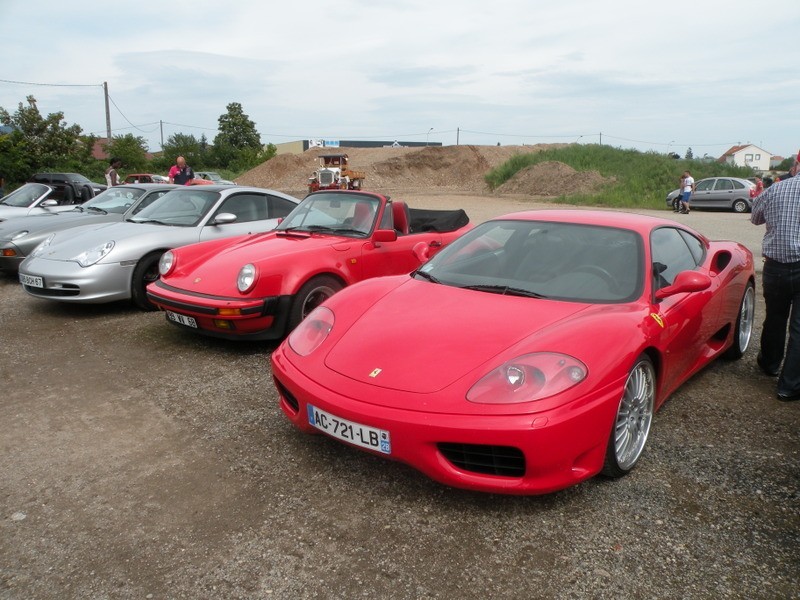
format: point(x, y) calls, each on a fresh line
point(642, 179)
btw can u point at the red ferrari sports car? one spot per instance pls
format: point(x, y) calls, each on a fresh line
point(528, 355)
point(258, 287)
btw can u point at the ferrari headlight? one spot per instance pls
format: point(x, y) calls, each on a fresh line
point(166, 263)
point(527, 378)
point(246, 278)
point(19, 234)
point(312, 331)
point(43, 246)
point(90, 257)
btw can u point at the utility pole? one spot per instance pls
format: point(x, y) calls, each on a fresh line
point(108, 113)
point(458, 132)
point(161, 126)
point(601, 138)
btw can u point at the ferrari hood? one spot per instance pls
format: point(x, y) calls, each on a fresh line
point(422, 337)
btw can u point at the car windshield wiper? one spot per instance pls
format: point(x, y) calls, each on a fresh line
point(427, 276)
point(505, 290)
point(96, 209)
point(154, 221)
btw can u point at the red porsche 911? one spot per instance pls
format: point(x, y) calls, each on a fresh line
point(528, 355)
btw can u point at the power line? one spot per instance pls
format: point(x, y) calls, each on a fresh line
point(52, 84)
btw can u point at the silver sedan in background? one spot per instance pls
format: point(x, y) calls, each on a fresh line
point(116, 261)
point(729, 193)
point(20, 236)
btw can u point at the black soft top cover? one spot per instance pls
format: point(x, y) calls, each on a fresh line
point(422, 219)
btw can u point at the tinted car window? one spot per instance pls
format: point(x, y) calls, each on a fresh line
point(737, 184)
point(705, 185)
point(696, 247)
point(246, 207)
point(671, 255)
point(280, 207)
point(724, 184)
point(59, 179)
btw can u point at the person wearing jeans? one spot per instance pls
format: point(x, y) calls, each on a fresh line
point(779, 208)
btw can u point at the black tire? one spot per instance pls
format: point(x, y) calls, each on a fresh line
point(87, 193)
point(740, 206)
point(146, 272)
point(743, 331)
point(632, 421)
point(313, 293)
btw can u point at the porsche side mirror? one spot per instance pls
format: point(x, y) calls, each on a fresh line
point(685, 281)
point(384, 235)
point(224, 218)
point(49, 202)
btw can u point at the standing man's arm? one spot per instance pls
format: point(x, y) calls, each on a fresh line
point(757, 214)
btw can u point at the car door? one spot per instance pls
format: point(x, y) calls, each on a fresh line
point(722, 196)
point(689, 320)
point(252, 216)
point(703, 193)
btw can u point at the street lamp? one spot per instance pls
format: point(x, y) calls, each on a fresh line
point(428, 135)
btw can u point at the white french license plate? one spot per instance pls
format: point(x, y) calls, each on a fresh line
point(182, 319)
point(350, 431)
point(31, 280)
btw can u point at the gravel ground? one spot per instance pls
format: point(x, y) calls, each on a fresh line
point(141, 462)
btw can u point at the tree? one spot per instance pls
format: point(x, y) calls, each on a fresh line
point(131, 150)
point(689, 155)
point(237, 140)
point(180, 144)
point(49, 141)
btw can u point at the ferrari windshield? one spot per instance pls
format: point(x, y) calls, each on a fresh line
point(25, 196)
point(352, 214)
point(539, 259)
point(182, 207)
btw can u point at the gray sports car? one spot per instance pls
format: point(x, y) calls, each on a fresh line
point(20, 235)
point(116, 261)
point(29, 199)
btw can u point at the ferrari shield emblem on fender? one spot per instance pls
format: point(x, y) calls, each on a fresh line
point(657, 318)
point(375, 373)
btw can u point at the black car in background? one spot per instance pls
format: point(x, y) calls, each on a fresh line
point(69, 188)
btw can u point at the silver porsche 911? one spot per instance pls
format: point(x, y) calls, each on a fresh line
point(116, 261)
point(20, 236)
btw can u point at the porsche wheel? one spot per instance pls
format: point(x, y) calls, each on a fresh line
point(633, 419)
point(313, 293)
point(145, 272)
point(744, 325)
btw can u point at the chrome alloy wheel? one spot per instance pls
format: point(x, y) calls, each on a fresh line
point(635, 414)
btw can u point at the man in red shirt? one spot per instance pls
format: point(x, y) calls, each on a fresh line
point(181, 173)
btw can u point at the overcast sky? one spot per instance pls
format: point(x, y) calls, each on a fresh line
point(646, 74)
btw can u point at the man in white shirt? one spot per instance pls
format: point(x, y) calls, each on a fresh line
point(686, 192)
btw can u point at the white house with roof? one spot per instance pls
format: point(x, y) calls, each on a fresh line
point(747, 155)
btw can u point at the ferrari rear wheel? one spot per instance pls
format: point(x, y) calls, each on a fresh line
point(744, 325)
point(313, 293)
point(634, 417)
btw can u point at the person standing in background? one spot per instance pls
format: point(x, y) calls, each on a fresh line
point(779, 208)
point(687, 187)
point(112, 177)
point(181, 173)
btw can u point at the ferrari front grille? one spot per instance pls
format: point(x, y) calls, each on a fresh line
point(505, 461)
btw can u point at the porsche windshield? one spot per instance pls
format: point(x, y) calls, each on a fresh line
point(538, 259)
point(183, 207)
point(24, 196)
point(333, 212)
point(113, 200)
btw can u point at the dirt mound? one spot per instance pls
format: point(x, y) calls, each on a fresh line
point(553, 179)
point(390, 169)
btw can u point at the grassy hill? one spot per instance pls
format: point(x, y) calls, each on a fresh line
point(638, 179)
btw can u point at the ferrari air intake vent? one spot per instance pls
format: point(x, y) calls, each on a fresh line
point(287, 397)
point(488, 460)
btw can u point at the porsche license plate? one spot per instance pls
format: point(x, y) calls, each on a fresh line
point(31, 280)
point(350, 431)
point(182, 319)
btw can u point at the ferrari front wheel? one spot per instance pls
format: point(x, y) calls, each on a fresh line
point(633, 419)
point(744, 325)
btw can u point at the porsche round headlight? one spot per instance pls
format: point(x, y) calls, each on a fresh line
point(43, 246)
point(312, 331)
point(19, 234)
point(527, 378)
point(94, 255)
point(166, 263)
point(247, 278)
